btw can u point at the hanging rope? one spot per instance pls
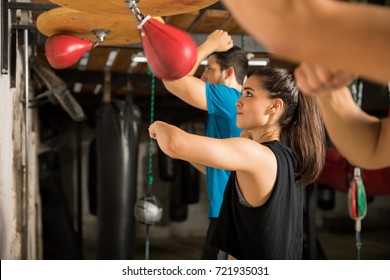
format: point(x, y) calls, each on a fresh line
point(150, 157)
point(149, 174)
point(148, 210)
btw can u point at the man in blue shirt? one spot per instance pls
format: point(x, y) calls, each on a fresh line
point(216, 92)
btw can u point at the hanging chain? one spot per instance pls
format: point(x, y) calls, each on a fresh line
point(149, 174)
point(136, 11)
point(243, 41)
point(151, 142)
point(388, 88)
point(357, 92)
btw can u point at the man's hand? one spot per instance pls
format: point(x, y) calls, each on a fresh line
point(219, 41)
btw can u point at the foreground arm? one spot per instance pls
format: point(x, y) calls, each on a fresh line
point(191, 89)
point(228, 154)
point(255, 163)
point(347, 36)
point(363, 139)
point(202, 168)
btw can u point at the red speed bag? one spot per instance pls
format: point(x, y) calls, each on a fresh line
point(64, 50)
point(171, 52)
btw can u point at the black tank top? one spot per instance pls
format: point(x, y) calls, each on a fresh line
point(271, 231)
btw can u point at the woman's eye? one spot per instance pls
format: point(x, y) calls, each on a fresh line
point(248, 94)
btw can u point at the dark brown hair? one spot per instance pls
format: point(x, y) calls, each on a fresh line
point(302, 127)
point(236, 58)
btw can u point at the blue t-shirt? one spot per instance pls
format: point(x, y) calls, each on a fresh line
point(221, 123)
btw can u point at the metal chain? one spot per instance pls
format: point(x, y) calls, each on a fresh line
point(151, 142)
point(243, 41)
point(357, 92)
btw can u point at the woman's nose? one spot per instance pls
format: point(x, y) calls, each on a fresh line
point(238, 102)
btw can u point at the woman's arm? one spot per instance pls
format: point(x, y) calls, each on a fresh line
point(348, 36)
point(252, 161)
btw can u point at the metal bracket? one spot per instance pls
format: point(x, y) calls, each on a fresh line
point(136, 11)
point(5, 30)
point(4, 37)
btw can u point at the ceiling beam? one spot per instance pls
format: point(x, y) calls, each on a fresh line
point(97, 77)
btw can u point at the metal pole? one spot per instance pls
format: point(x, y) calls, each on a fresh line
point(25, 190)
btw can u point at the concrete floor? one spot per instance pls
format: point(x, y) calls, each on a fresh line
point(342, 245)
point(334, 231)
point(332, 245)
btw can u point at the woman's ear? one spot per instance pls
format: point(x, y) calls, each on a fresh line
point(277, 105)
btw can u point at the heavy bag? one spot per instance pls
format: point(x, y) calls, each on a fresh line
point(92, 183)
point(117, 142)
point(171, 52)
point(189, 180)
point(60, 241)
point(178, 210)
point(166, 166)
point(337, 173)
point(376, 182)
point(325, 197)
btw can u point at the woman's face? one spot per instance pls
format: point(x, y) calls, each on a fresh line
point(253, 107)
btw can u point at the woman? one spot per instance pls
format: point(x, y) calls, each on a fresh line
point(262, 212)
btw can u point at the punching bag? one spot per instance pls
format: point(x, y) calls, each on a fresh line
point(325, 197)
point(92, 171)
point(178, 209)
point(189, 183)
point(117, 142)
point(166, 166)
point(64, 50)
point(171, 52)
point(60, 241)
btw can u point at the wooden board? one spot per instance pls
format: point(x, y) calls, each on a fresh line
point(210, 20)
point(147, 7)
point(183, 21)
point(122, 29)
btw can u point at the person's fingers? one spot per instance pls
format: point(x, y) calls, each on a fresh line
point(152, 131)
point(301, 81)
point(230, 43)
point(310, 73)
point(341, 79)
point(315, 79)
point(221, 40)
point(324, 76)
